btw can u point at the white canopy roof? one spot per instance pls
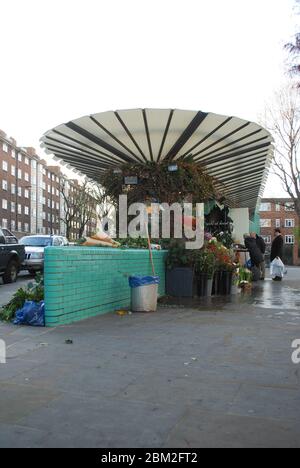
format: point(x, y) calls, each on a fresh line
point(237, 152)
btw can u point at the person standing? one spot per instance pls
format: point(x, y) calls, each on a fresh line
point(255, 255)
point(277, 246)
point(262, 247)
point(277, 250)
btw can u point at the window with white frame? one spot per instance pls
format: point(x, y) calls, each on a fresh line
point(13, 171)
point(277, 223)
point(19, 157)
point(289, 223)
point(13, 225)
point(13, 154)
point(265, 207)
point(26, 160)
point(278, 207)
point(4, 204)
point(34, 164)
point(4, 223)
point(19, 226)
point(26, 210)
point(19, 174)
point(13, 189)
point(19, 209)
point(290, 239)
point(19, 191)
point(26, 193)
point(44, 215)
point(4, 184)
point(4, 166)
point(265, 223)
point(13, 207)
point(26, 227)
point(5, 147)
point(26, 176)
point(289, 206)
point(267, 239)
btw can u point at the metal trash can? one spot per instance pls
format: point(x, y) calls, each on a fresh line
point(144, 292)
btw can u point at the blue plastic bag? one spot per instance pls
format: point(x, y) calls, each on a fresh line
point(249, 264)
point(32, 313)
point(136, 281)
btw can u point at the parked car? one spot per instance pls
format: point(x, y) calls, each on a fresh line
point(12, 256)
point(35, 250)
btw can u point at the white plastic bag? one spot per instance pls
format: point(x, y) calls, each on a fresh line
point(277, 268)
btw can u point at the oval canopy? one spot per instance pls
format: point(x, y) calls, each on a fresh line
point(237, 152)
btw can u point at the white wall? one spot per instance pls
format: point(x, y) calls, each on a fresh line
point(240, 217)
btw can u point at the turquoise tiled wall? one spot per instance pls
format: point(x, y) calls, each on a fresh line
point(82, 282)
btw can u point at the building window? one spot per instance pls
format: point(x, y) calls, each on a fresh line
point(4, 223)
point(4, 184)
point(26, 227)
point(19, 174)
point(5, 147)
point(267, 239)
point(277, 223)
point(26, 193)
point(20, 157)
point(265, 223)
point(19, 226)
point(13, 207)
point(265, 207)
point(289, 223)
point(26, 161)
point(277, 207)
point(19, 209)
point(13, 154)
point(4, 166)
point(34, 164)
point(290, 239)
point(26, 210)
point(289, 206)
point(13, 225)
point(26, 176)
point(19, 191)
point(13, 189)
point(13, 171)
point(4, 204)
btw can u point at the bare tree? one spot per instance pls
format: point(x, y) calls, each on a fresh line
point(69, 207)
point(283, 121)
point(293, 49)
point(79, 205)
point(105, 207)
point(86, 206)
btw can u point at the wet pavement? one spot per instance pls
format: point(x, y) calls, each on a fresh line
point(214, 374)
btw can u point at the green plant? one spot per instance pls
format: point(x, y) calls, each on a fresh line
point(33, 292)
point(178, 256)
point(244, 276)
point(205, 262)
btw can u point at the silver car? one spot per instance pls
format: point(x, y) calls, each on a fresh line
point(34, 250)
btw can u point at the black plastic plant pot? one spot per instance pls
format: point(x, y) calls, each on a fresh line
point(217, 283)
point(202, 284)
point(226, 283)
point(180, 282)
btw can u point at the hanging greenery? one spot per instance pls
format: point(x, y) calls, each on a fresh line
point(156, 183)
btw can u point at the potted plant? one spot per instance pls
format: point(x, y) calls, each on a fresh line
point(205, 264)
point(180, 278)
point(244, 279)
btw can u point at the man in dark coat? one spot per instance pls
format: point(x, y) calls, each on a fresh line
point(277, 246)
point(262, 247)
point(255, 255)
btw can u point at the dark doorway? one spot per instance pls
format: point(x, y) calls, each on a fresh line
point(288, 255)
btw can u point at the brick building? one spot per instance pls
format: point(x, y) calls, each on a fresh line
point(280, 213)
point(31, 201)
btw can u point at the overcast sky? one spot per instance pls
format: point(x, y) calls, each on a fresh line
point(61, 59)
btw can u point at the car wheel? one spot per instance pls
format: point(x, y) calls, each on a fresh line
point(11, 273)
